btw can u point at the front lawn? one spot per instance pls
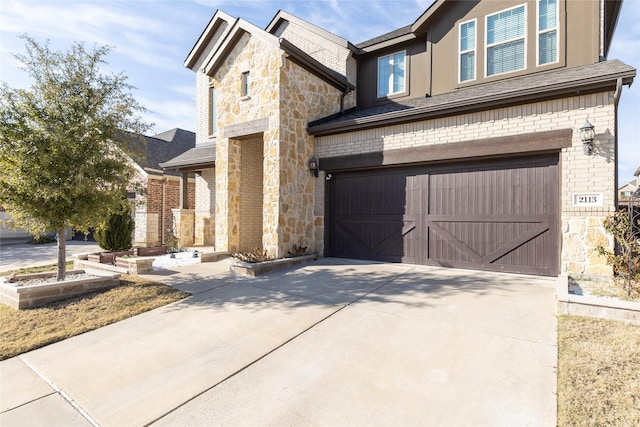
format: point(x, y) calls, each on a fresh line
point(25, 330)
point(598, 372)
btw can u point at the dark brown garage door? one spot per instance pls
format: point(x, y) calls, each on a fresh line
point(498, 215)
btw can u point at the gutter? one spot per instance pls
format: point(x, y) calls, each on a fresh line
point(469, 105)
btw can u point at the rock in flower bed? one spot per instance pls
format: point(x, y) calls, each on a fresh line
point(33, 290)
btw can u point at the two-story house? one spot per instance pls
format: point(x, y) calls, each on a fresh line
point(482, 135)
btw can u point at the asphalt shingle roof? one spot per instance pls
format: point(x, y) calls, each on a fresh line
point(200, 155)
point(515, 88)
point(150, 151)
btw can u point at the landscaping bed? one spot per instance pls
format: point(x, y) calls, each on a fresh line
point(253, 269)
point(34, 290)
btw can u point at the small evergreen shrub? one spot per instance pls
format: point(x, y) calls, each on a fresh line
point(115, 233)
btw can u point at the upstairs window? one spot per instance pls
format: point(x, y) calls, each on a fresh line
point(244, 84)
point(506, 41)
point(391, 74)
point(213, 114)
point(547, 31)
point(467, 51)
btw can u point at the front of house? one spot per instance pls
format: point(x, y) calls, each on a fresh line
point(453, 141)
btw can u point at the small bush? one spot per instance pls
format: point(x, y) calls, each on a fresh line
point(297, 251)
point(254, 256)
point(626, 260)
point(41, 239)
point(115, 233)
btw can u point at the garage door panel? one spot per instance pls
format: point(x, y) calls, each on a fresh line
point(499, 215)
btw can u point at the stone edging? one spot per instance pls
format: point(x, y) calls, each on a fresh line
point(604, 308)
point(20, 297)
point(248, 269)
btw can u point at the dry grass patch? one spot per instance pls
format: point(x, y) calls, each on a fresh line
point(598, 372)
point(25, 330)
point(613, 288)
point(39, 269)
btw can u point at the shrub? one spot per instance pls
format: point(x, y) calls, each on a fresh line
point(115, 233)
point(254, 256)
point(626, 259)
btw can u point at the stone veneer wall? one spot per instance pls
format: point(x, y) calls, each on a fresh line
point(304, 98)
point(263, 62)
point(289, 97)
point(581, 227)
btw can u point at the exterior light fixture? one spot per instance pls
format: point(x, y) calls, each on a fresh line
point(587, 135)
point(314, 166)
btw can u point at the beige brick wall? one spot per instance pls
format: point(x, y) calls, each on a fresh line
point(323, 50)
point(205, 206)
point(202, 91)
point(581, 227)
point(251, 194)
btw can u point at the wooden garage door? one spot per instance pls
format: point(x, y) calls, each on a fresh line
point(498, 215)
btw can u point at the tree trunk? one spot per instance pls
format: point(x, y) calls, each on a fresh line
point(62, 254)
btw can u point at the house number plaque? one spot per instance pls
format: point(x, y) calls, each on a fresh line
point(587, 199)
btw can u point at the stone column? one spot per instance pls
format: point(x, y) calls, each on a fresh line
point(204, 228)
point(184, 226)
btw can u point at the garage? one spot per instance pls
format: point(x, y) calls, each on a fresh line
point(498, 215)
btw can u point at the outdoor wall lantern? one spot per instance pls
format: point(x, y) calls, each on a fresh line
point(587, 134)
point(314, 166)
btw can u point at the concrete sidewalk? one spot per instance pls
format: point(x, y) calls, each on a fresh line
point(23, 255)
point(335, 342)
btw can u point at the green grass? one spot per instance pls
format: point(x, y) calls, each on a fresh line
point(598, 372)
point(26, 330)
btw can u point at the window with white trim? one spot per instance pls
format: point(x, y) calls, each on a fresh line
point(213, 114)
point(467, 49)
point(391, 74)
point(547, 31)
point(505, 41)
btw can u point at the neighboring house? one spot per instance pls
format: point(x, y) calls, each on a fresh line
point(160, 191)
point(625, 192)
point(10, 234)
point(452, 141)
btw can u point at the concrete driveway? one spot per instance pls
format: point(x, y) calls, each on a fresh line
point(335, 342)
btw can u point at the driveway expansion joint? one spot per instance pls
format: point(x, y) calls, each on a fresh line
point(61, 392)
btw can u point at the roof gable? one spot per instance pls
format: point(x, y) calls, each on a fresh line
point(231, 38)
point(281, 17)
point(218, 21)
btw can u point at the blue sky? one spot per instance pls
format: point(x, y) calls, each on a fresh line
point(152, 38)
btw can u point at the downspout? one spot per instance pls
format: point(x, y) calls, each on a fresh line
point(616, 101)
point(164, 182)
point(344, 94)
